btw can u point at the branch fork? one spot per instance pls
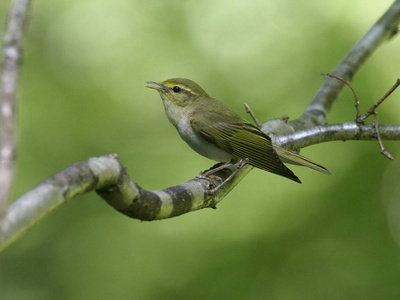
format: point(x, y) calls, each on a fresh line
point(108, 177)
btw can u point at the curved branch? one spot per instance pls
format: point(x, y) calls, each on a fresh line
point(12, 54)
point(109, 179)
point(80, 178)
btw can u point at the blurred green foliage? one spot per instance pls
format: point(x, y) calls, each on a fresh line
point(83, 94)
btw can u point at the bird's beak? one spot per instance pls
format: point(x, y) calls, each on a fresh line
point(157, 86)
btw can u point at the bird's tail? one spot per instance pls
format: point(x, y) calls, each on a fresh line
point(296, 159)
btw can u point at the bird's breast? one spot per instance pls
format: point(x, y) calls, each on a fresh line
point(179, 116)
point(200, 145)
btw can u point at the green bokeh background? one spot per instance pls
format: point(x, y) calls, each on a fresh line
point(83, 94)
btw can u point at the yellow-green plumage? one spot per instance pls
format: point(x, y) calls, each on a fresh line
point(217, 132)
point(241, 140)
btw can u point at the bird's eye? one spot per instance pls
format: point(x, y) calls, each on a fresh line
point(176, 89)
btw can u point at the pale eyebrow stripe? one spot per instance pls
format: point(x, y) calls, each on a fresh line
point(183, 88)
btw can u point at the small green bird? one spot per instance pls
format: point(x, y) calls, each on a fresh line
point(215, 131)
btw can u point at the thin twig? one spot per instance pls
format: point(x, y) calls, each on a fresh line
point(327, 94)
point(378, 136)
point(12, 55)
point(249, 111)
point(129, 199)
point(356, 105)
point(372, 109)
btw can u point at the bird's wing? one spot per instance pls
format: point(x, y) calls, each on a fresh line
point(240, 139)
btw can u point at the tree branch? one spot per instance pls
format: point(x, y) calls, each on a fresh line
point(336, 132)
point(386, 27)
point(109, 178)
point(80, 178)
point(12, 54)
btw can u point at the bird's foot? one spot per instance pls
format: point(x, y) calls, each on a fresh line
point(209, 174)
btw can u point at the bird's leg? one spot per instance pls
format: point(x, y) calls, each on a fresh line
point(209, 173)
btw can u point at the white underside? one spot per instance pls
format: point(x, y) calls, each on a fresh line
point(180, 120)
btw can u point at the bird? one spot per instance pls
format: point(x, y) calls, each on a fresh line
point(215, 131)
